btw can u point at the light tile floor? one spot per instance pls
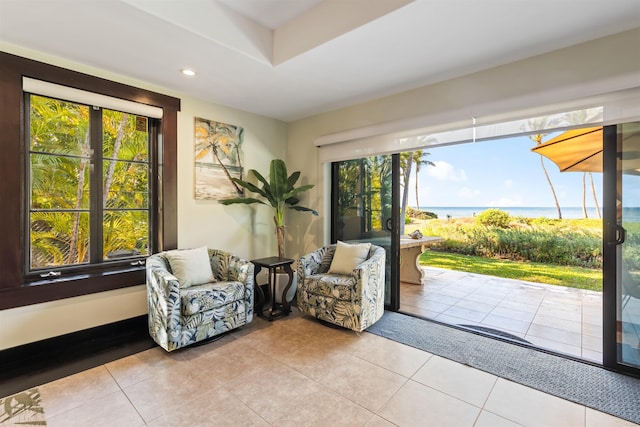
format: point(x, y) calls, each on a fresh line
point(297, 371)
point(562, 319)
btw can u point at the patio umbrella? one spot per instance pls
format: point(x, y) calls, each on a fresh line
point(577, 150)
point(580, 150)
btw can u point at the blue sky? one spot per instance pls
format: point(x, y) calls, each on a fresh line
point(497, 173)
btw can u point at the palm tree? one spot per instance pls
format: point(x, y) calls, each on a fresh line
point(419, 161)
point(222, 141)
point(406, 164)
point(595, 198)
point(539, 123)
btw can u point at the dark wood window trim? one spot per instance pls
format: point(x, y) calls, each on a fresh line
point(14, 289)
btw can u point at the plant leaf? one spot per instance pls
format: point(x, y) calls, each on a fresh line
point(293, 179)
point(297, 190)
point(265, 185)
point(303, 209)
point(242, 200)
point(249, 186)
point(278, 179)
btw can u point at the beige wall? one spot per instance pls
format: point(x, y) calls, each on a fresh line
point(603, 65)
point(549, 80)
point(246, 231)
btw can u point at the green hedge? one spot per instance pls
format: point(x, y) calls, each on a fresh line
point(558, 242)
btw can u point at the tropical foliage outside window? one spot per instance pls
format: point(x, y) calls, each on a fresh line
point(89, 188)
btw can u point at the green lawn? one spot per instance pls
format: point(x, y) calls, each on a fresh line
point(572, 277)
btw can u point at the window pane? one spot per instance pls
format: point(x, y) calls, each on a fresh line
point(59, 127)
point(126, 233)
point(126, 185)
point(125, 136)
point(59, 238)
point(59, 182)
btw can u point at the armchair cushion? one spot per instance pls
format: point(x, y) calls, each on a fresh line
point(331, 285)
point(348, 257)
point(197, 299)
point(190, 266)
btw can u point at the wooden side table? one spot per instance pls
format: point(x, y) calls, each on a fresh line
point(272, 263)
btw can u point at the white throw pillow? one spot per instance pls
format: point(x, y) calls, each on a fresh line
point(191, 266)
point(348, 256)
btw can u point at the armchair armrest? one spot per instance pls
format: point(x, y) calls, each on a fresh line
point(240, 270)
point(311, 263)
point(369, 274)
point(159, 279)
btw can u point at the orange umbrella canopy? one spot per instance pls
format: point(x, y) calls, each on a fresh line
point(577, 150)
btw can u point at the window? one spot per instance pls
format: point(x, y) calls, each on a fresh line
point(88, 187)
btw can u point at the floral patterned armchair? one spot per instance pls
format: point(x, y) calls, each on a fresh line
point(182, 314)
point(354, 301)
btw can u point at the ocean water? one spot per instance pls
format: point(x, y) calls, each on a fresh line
point(629, 214)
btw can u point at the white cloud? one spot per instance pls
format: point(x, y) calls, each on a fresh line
point(443, 171)
point(508, 183)
point(468, 193)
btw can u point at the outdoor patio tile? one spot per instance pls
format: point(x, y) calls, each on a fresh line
point(433, 306)
point(562, 303)
point(492, 293)
point(519, 306)
point(412, 299)
point(553, 334)
point(456, 293)
point(564, 320)
point(517, 327)
point(465, 313)
point(571, 318)
point(558, 323)
point(475, 305)
point(419, 311)
point(591, 330)
point(511, 313)
point(594, 356)
point(527, 297)
point(592, 343)
point(594, 319)
point(445, 318)
point(484, 299)
point(438, 297)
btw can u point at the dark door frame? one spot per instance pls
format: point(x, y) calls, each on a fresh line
point(394, 229)
point(612, 149)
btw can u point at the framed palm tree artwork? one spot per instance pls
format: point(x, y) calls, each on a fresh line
point(218, 159)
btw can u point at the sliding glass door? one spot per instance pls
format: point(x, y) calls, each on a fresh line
point(621, 158)
point(365, 208)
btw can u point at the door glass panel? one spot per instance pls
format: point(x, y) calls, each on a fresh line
point(364, 205)
point(628, 221)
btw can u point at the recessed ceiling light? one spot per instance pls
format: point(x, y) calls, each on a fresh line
point(188, 72)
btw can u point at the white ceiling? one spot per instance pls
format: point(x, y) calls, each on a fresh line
point(290, 59)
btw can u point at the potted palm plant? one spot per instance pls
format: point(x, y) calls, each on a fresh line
point(280, 193)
